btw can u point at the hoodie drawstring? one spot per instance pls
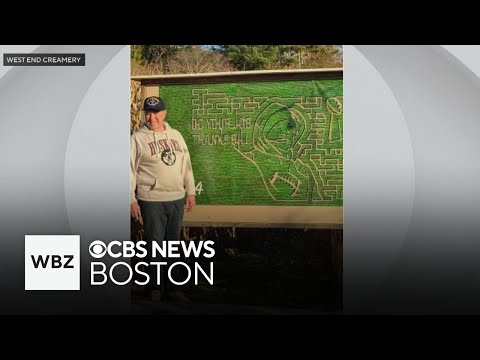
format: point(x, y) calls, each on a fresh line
point(155, 140)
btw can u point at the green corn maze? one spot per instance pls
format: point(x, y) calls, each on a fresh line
point(262, 143)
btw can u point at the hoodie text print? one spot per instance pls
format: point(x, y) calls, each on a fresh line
point(160, 166)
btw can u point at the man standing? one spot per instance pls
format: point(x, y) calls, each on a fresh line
point(160, 175)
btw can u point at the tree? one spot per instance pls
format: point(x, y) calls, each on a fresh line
point(259, 57)
point(176, 59)
point(151, 55)
point(322, 56)
point(249, 57)
point(197, 59)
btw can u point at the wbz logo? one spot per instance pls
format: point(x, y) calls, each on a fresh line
point(56, 261)
point(52, 262)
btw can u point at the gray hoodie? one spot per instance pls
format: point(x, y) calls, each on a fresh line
point(160, 166)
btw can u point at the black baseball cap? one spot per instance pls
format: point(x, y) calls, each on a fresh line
point(154, 103)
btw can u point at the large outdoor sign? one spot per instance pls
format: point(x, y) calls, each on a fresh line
point(262, 142)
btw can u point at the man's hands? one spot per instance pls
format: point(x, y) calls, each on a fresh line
point(190, 202)
point(135, 211)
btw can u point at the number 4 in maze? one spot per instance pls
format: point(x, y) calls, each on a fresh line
point(199, 188)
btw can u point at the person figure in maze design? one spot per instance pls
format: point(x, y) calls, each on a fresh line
point(160, 176)
point(276, 135)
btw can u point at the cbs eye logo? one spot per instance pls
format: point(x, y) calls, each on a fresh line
point(97, 249)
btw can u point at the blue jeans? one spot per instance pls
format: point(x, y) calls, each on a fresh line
point(162, 221)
